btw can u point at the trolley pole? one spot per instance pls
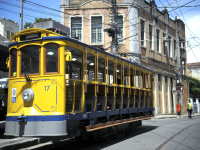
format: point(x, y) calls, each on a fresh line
point(21, 16)
point(114, 28)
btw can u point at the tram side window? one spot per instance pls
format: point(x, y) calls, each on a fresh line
point(90, 67)
point(136, 79)
point(13, 54)
point(51, 58)
point(131, 77)
point(141, 78)
point(125, 75)
point(101, 74)
point(147, 81)
point(118, 74)
point(74, 68)
point(110, 72)
point(30, 59)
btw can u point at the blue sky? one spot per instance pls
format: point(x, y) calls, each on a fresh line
point(191, 16)
point(29, 14)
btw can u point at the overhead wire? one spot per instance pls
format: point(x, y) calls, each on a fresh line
point(186, 23)
point(14, 12)
point(186, 30)
point(87, 19)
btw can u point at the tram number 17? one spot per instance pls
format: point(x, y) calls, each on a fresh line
point(47, 87)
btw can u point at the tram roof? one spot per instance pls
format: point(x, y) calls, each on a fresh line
point(61, 37)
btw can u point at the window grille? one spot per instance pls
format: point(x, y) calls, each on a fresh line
point(175, 49)
point(76, 28)
point(120, 28)
point(96, 29)
point(170, 53)
point(142, 29)
point(164, 44)
point(151, 37)
point(158, 40)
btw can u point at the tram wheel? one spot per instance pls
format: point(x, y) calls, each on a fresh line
point(79, 138)
point(106, 134)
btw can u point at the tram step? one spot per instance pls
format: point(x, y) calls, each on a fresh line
point(114, 123)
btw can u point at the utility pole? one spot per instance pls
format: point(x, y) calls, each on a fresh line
point(21, 16)
point(113, 31)
point(179, 64)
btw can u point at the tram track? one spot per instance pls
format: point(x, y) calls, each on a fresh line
point(172, 137)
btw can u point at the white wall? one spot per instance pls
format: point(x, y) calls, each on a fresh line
point(7, 25)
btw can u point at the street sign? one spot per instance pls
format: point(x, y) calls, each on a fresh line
point(177, 90)
point(174, 90)
point(156, 83)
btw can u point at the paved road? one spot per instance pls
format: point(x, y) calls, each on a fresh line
point(164, 134)
point(159, 134)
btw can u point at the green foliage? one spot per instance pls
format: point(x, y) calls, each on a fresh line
point(194, 87)
point(37, 20)
point(28, 25)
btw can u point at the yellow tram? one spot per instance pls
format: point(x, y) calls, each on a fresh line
point(59, 86)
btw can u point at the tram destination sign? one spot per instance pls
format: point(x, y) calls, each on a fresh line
point(30, 36)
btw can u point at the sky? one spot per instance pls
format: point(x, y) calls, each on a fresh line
point(190, 16)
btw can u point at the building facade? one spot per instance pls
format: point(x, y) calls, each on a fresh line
point(7, 30)
point(149, 36)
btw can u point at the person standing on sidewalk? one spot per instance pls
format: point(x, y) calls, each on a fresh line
point(190, 110)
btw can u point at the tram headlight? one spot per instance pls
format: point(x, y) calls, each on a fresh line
point(28, 95)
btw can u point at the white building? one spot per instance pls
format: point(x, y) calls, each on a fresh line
point(7, 30)
point(193, 70)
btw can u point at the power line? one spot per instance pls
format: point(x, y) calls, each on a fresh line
point(15, 12)
point(128, 12)
point(35, 4)
point(186, 24)
point(29, 9)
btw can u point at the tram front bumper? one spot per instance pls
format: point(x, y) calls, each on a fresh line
point(28, 127)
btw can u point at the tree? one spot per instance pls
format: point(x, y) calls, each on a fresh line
point(194, 87)
point(37, 20)
point(28, 25)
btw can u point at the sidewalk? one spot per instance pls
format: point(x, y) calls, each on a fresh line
point(164, 116)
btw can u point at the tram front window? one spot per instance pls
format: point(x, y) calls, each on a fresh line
point(30, 59)
point(51, 58)
point(13, 54)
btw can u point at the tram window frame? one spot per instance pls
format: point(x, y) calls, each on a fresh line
point(45, 65)
point(120, 73)
point(103, 73)
point(10, 68)
point(132, 76)
point(125, 78)
point(137, 78)
point(113, 73)
point(20, 68)
point(89, 66)
point(74, 64)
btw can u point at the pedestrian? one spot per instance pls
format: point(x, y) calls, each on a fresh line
point(190, 110)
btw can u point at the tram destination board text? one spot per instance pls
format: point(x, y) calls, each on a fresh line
point(30, 36)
